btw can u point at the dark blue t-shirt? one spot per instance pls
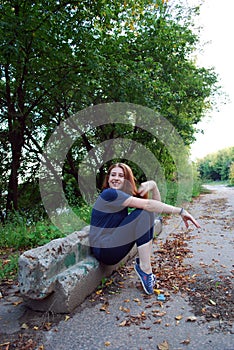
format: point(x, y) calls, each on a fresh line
point(107, 214)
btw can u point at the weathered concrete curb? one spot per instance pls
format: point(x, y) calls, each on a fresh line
point(58, 276)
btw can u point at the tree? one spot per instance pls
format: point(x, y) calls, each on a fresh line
point(60, 57)
point(217, 166)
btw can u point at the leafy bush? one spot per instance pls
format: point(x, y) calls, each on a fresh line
point(216, 166)
point(231, 175)
point(18, 234)
point(21, 233)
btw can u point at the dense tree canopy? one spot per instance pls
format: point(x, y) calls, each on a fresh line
point(217, 166)
point(62, 56)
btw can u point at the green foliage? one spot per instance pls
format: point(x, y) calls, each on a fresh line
point(67, 222)
point(9, 267)
point(172, 190)
point(216, 166)
point(103, 283)
point(84, 213)
point(17, 233)
point(231, 174)
point(60, 57)
point(197, 182)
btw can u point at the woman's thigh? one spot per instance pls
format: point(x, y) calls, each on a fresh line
point(135, 225)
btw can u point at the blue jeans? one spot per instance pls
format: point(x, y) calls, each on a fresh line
point(139, 230)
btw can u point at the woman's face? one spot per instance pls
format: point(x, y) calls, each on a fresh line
point(116, 178)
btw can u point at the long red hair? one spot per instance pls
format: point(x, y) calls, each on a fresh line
point(129, 180)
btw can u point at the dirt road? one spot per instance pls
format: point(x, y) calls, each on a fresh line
point(195, 271)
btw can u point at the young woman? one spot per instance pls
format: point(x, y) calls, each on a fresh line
point(116, 226)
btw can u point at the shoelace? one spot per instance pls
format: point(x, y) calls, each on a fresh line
point(152, 280)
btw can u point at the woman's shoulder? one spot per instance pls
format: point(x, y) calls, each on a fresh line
point(109, 194)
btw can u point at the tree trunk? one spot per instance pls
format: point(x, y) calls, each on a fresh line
point(16, 139)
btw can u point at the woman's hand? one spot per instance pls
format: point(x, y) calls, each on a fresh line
point(146, 187)
point(188, 217)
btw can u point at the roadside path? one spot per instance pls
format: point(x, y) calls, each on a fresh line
point(131, 321)
point(195, 272)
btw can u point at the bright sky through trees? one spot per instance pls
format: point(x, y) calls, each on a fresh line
point(216, 19)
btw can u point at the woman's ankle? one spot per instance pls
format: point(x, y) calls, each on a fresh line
point(146, 268)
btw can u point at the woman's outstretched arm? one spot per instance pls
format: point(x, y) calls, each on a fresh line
point(160, 208)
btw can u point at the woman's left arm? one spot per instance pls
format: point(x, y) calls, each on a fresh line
point(150, 186)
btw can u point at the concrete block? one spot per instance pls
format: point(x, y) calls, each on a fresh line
point(39, 267)
point(72, 287)
point(58, 276)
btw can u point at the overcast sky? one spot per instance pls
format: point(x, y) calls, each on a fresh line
point(218, 29)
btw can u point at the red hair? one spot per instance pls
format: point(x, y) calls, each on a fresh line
point(129, 179)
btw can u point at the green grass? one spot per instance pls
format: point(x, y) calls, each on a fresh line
point(213, 183)
point(18, 235)
point(9, 266)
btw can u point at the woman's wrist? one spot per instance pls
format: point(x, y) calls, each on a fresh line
point(155, 192)
point(153, 184)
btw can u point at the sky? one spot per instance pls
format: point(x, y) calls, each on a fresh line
point(216, 18)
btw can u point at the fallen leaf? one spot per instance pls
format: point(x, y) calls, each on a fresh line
point(158, 313)
point(124, 309)
point(163, 346)
point(158, 321)
point(146, 328)
point(186, 341)
point(107, 343)
point(24, 326)
point(47, 326)
point(179, 317)
point(123, 323)
point(104, 307)
point(212, 302)
point(108, 283)
point(191, 319)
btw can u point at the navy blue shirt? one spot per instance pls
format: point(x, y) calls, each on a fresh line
point(107, 214)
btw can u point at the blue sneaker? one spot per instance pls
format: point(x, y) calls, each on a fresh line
point(147, 280)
